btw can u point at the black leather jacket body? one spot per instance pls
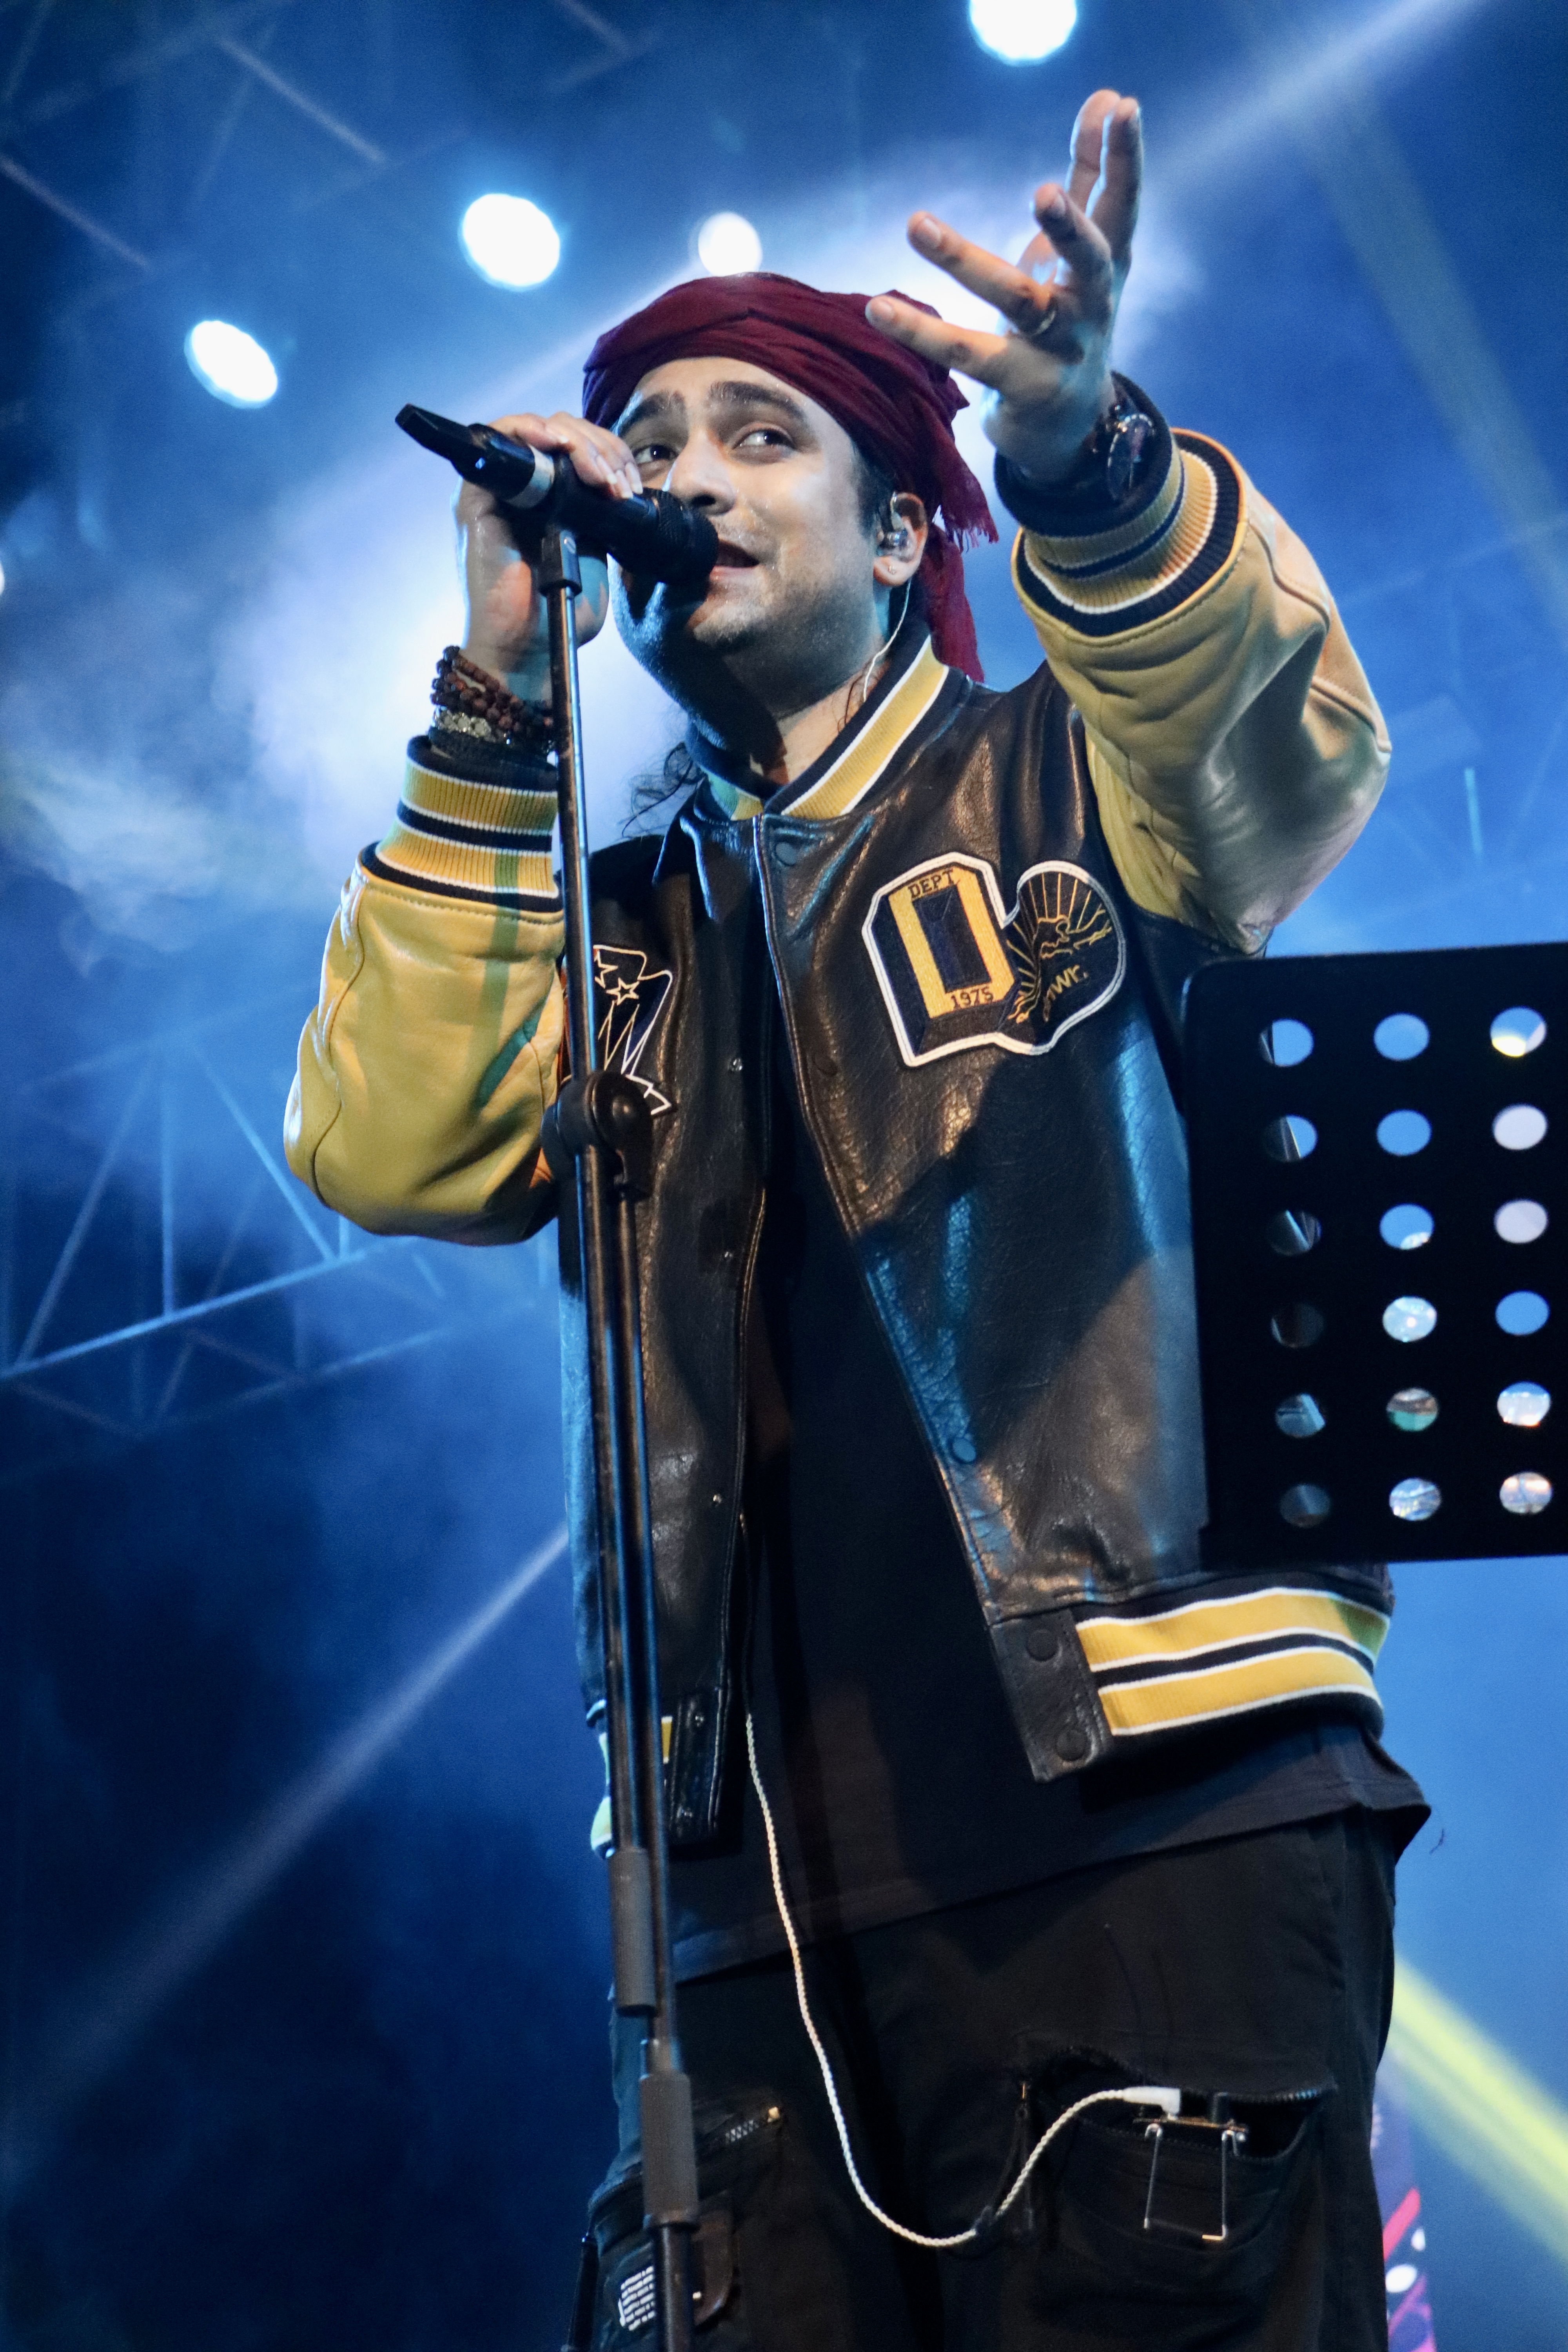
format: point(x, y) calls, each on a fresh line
point(981, 1029)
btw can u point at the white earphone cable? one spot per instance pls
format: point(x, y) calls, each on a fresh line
point(883, 653)
point(1137, 2094)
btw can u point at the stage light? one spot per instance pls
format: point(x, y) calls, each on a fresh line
point(1021, 31)
point(510, 241)
point(230, 363)
point(727, 244)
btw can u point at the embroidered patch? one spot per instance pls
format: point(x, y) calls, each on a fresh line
point(957, 972)
point(630, 1000)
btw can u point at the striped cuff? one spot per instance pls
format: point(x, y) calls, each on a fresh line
point(1111, 580)
point(462, 837)
point(1205, 1661)
point(1082, 507)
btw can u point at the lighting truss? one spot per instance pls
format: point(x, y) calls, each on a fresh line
point(36, 142)
point(160, 1264)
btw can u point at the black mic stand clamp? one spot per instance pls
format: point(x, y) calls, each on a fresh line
point(602, 1125)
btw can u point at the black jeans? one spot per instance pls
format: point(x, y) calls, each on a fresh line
point(1260, 1967)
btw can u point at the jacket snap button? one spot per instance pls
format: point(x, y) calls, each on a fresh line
point(963, 1449)
point(826, 1064)
point(1071, 1744)
point(1041, 1642)
point(786, 852)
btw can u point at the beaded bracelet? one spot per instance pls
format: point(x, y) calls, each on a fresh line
point(471, 702)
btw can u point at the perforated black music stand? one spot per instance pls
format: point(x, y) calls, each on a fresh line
point(1328, 1437)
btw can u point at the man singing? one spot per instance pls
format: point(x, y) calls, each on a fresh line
point(1057, 1808)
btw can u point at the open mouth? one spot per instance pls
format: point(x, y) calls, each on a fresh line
point(732, 558)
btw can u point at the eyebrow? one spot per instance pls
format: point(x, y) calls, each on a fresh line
point(656, 406)
point(733, 394)
point(740, 394)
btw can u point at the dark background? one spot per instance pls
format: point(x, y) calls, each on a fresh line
point(303, 2043)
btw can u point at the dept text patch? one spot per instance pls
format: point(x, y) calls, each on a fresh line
point(956, 972)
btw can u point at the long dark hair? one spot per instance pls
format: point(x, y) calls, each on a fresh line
point(657, 793)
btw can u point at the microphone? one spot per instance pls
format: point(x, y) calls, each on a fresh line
point(652, 534)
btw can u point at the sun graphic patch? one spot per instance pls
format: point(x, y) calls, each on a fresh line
point(957, 971)
point(629, 999)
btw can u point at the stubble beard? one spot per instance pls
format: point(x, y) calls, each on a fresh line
point(739, 674)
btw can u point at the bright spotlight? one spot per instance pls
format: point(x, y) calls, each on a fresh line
point(727, 244)
point(230, 363)
point(510, 241)
point(1022, 30)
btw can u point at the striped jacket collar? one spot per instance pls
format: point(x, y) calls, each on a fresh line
point(855, 760)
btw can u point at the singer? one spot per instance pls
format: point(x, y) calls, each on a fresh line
point(1056, 1809)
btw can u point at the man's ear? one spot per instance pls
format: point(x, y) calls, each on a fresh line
point(901, 531)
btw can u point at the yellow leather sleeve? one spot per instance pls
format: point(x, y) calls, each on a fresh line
point(1233, 742)
point(427, 1067)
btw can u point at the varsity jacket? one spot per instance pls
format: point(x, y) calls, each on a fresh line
point(979, 910)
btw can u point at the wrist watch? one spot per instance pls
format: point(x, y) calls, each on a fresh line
point(1114, 451)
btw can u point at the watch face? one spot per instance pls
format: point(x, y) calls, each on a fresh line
point(1130, 435)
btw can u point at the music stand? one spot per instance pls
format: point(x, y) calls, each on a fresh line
point(1383, 1330)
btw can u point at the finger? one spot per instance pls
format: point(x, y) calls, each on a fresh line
point(1011, 290)
point(964, 348)
point(600, 457)
point(1077, 241)
point(1089, 144)
point(609, 453)
point(537, 431)
point(1113, 206)
point(546, 433)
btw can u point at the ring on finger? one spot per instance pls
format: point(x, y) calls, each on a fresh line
point(1041, 325)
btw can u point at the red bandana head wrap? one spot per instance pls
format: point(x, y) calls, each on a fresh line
point(898, 407)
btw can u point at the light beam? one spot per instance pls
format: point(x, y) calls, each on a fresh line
point(1507, 2133)
point(161, 1961)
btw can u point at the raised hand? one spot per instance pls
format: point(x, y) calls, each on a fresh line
point(506, 631)
point(1048, 376)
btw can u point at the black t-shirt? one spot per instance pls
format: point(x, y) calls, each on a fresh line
point(897, 1780)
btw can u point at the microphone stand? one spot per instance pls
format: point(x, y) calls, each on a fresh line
point(603, 1123)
